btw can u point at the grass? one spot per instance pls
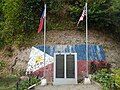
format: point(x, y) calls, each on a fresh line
point(8, 83)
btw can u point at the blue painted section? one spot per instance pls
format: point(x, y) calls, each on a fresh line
point(96, 52)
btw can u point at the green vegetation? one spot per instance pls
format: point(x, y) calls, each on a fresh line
point(2, 64)
point(19, 19)
point(23, 85)
point(8, 83)
point(116, 77)
point(7, 80)
point(108, 80)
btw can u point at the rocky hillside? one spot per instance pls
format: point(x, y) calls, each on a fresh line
point(111, 47)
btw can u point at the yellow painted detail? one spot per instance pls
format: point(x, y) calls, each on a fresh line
point(39, 59)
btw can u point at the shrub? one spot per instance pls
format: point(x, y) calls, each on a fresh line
point(116, 76)
point(107, 79)
point(23, 85)
point(102, 14)
point(20, 18)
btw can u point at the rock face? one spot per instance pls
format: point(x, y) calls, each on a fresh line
point(23, 57)
point(54, 37)
point(111, 47)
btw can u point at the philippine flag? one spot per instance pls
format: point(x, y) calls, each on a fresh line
point(42, 19)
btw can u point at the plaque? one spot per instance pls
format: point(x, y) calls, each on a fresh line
point(59, 66)
point(70, 66)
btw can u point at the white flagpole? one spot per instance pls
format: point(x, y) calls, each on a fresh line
point(44, 38)
point(86, 42)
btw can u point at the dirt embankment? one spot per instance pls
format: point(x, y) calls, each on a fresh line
point(112, 48)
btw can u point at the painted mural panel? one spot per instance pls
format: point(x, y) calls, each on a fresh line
point(36, 59)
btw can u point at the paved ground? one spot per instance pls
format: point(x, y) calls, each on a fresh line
point(69, 87)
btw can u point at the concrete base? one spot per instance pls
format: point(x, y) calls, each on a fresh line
point(43, 82)
point(63, 81)
point(87, 80)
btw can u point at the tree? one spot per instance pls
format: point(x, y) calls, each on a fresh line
point(12, 23)
point(21, 18)
point(102, 14)
point(1, 24)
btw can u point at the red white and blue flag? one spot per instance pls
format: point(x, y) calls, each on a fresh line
point(42, 20)
point(82, 16)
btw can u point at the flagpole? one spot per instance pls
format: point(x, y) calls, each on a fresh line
point(86, 42)
point(44, 40)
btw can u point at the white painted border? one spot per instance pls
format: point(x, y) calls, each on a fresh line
point(59, 81)
point(65, 66)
